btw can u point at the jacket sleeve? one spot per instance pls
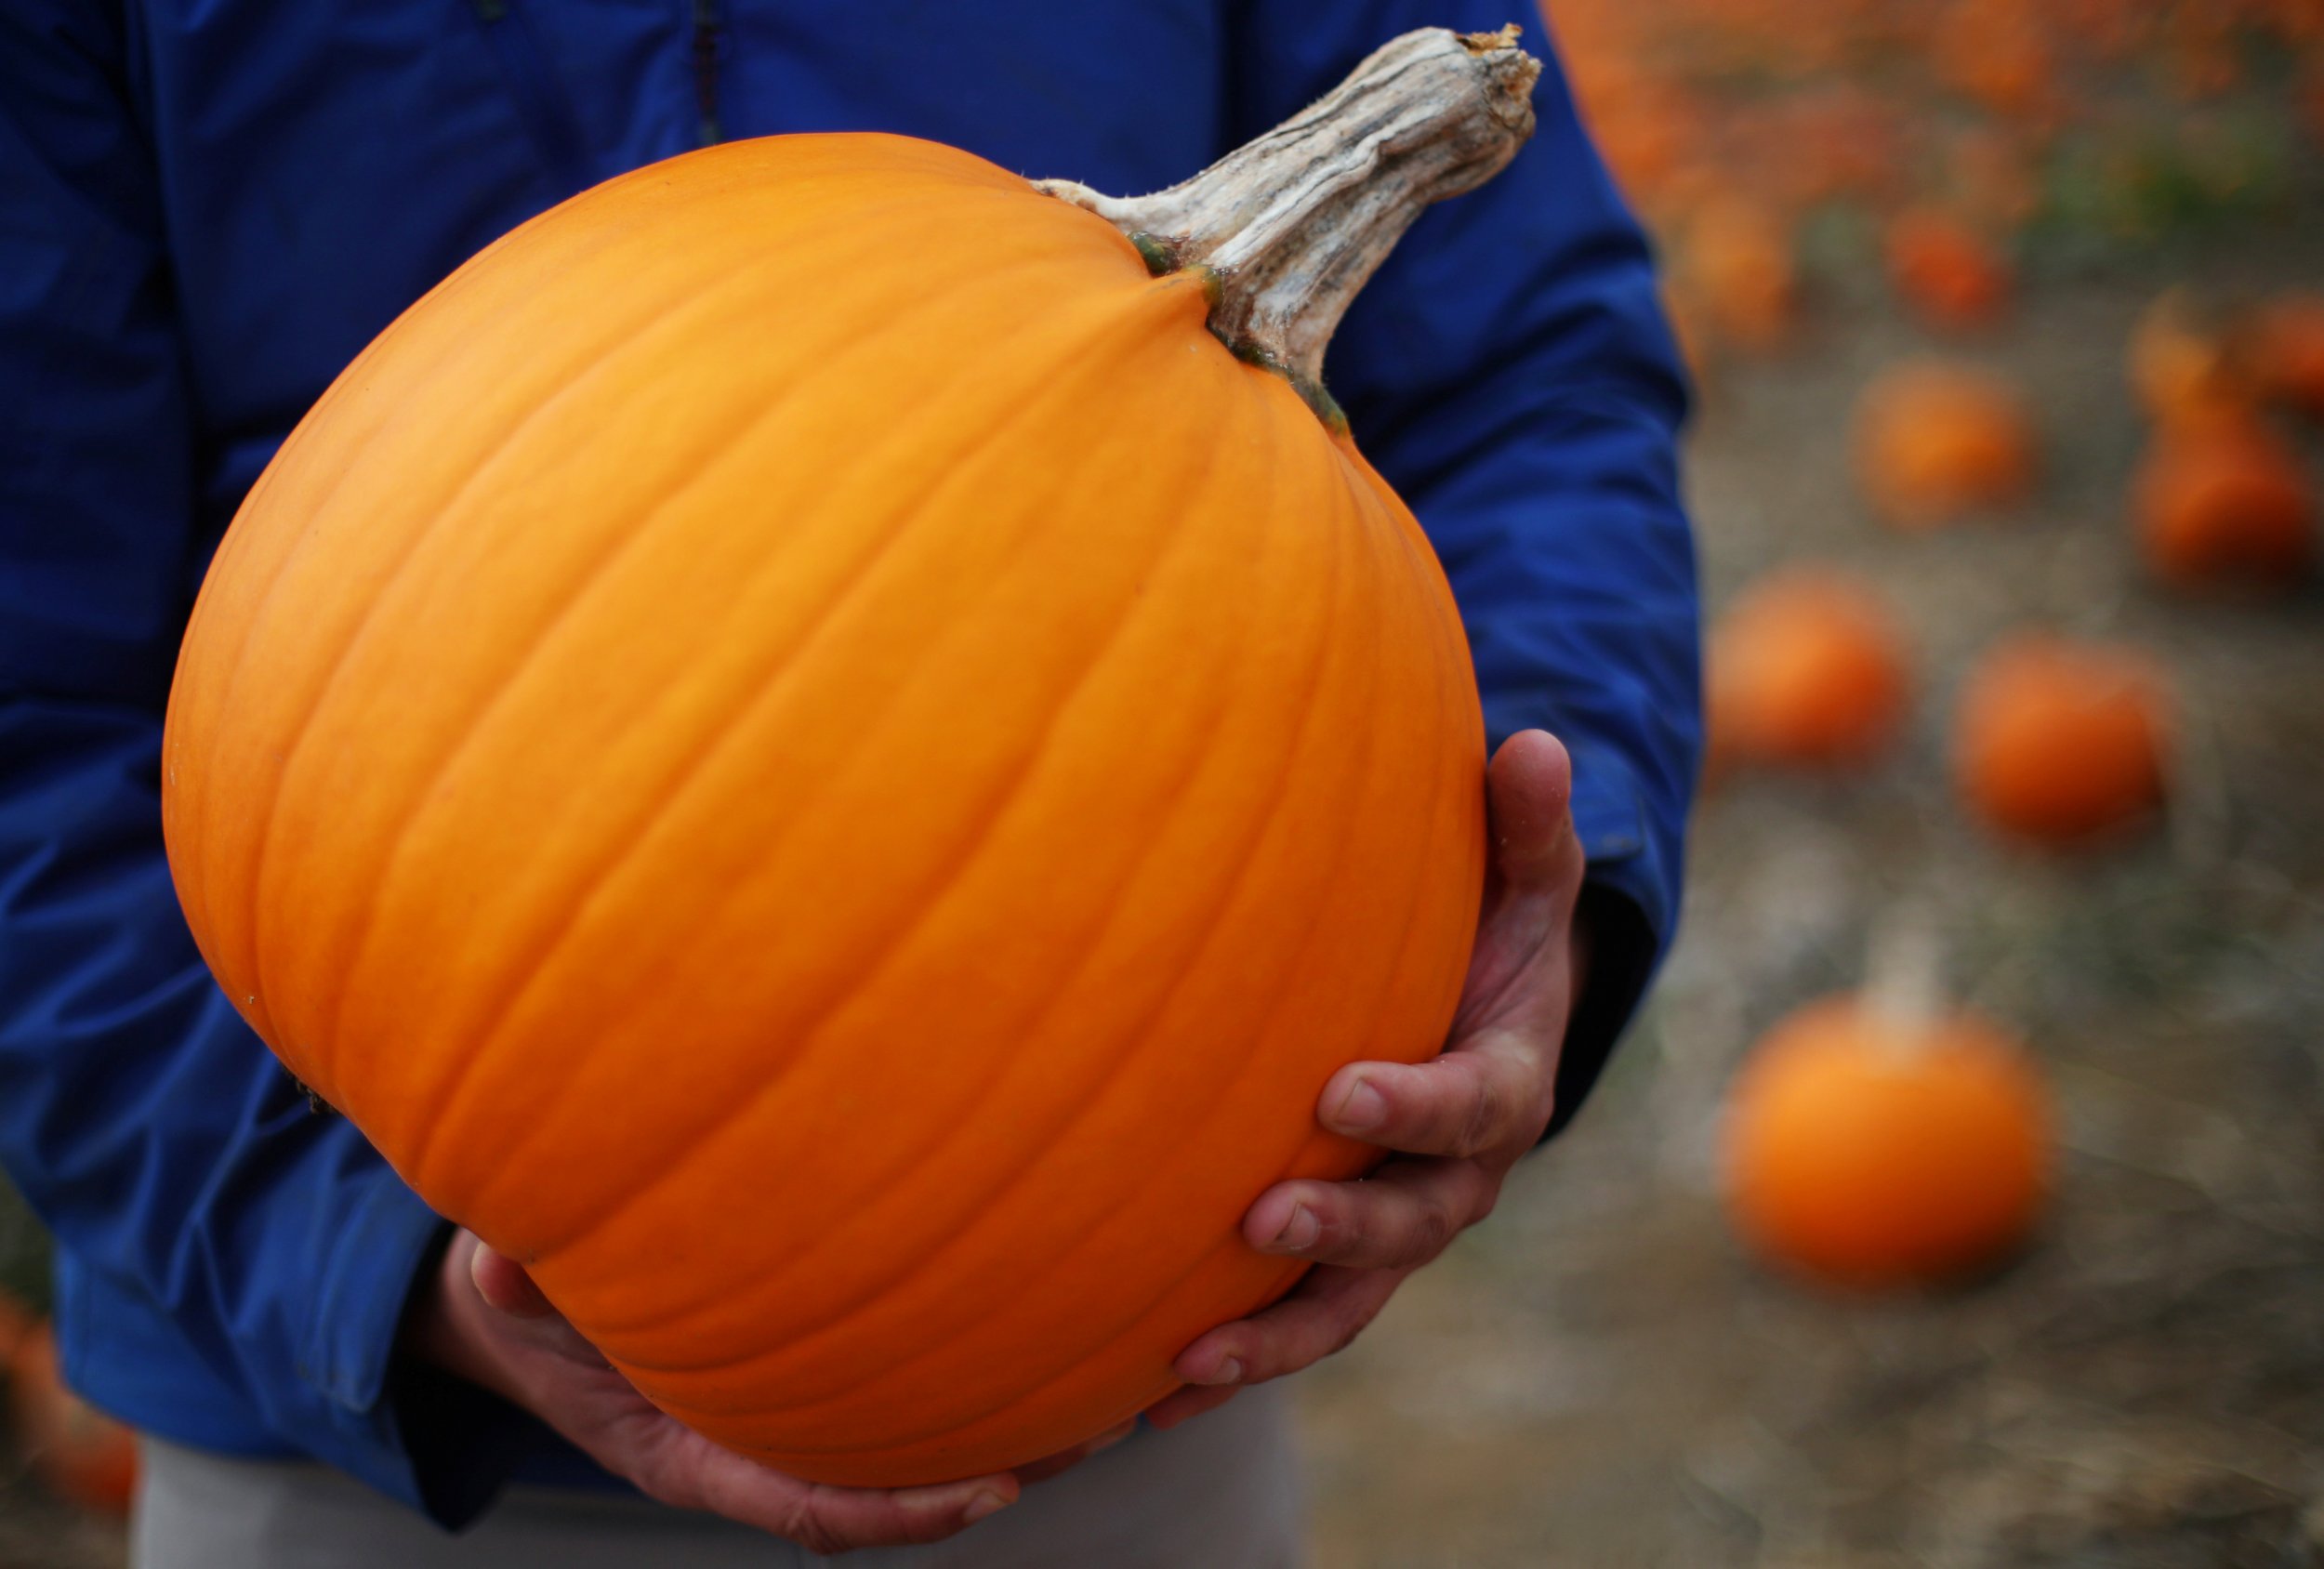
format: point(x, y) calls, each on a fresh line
point(149, 1129)
point(1511, 372)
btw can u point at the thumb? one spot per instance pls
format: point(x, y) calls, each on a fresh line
point(525, 1313)
point(1530, 789)
point(504, 1283)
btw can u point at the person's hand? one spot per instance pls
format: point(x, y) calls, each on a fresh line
point(482, 1317)
point(1459, 1121)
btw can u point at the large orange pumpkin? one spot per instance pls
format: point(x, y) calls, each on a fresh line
point(808, 751)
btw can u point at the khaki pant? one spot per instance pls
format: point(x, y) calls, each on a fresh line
point(1220, 1492)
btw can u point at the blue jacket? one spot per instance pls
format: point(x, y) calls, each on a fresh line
point(208, 206)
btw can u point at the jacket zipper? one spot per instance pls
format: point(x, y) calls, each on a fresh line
point(548, 117)
point(705, 59)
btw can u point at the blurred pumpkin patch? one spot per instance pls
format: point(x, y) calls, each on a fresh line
point(1954, 124)
point(1938, 440)
point(82, 1456)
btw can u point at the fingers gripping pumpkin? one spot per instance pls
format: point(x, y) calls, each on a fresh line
point(829, 750)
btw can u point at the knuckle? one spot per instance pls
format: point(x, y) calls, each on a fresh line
point(1432, 1231)
point(1483, 1122)
point(806, 1526)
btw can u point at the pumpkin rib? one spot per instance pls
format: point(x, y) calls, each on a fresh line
point(206, 922)
point(235, 542)
point(412, 545)
point(993, 1193)
point(1052, 1373)
point(1070, 969)
point(1260, 832)
point(945, 879)
point(1439, 800)
point(730, 1102)
point(1365, 651)
point(1133, 309)
point(1361, 653)
point(630, 537)
point(568, 386)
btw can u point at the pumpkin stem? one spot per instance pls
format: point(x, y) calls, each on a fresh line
point(1291, 225)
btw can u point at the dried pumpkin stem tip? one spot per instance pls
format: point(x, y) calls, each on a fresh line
point(1294, 223)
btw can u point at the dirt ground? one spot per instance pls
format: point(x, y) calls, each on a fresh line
point(1597, 1378)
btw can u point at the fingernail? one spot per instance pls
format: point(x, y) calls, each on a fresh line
point(1113, 1435)
point(1227, 1372)
point(1300, 1231)
point(984, 1504)
point(1363, 1108)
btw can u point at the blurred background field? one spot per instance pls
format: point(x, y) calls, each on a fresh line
point(1604, 1374)
point(1600, 1377)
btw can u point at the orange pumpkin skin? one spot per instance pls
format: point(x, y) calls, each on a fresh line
point(1876, 1155)
point(806, 753)
point(2183, 365)
point(1739, 260)
point(82, 1454)
point(2286, 346)
point(2060, 742)
point(2225, 503)
point(1935, 440)
point(1805, 669)
point(1945, 271)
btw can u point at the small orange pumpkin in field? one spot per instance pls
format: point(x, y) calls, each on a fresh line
point(16, 1322)
point(1997, 51)
point(1805, 669)
point(2183, 365)
point(830, 747)
point(2284, 340)
point(1948, 273)
point(1935, 439)
point(81, 1454)
point(2059, 741)
point(2226, 502)
point(1876, 1152)
point(1738, 260)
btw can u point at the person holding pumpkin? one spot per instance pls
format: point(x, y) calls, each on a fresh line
point(212, 220)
